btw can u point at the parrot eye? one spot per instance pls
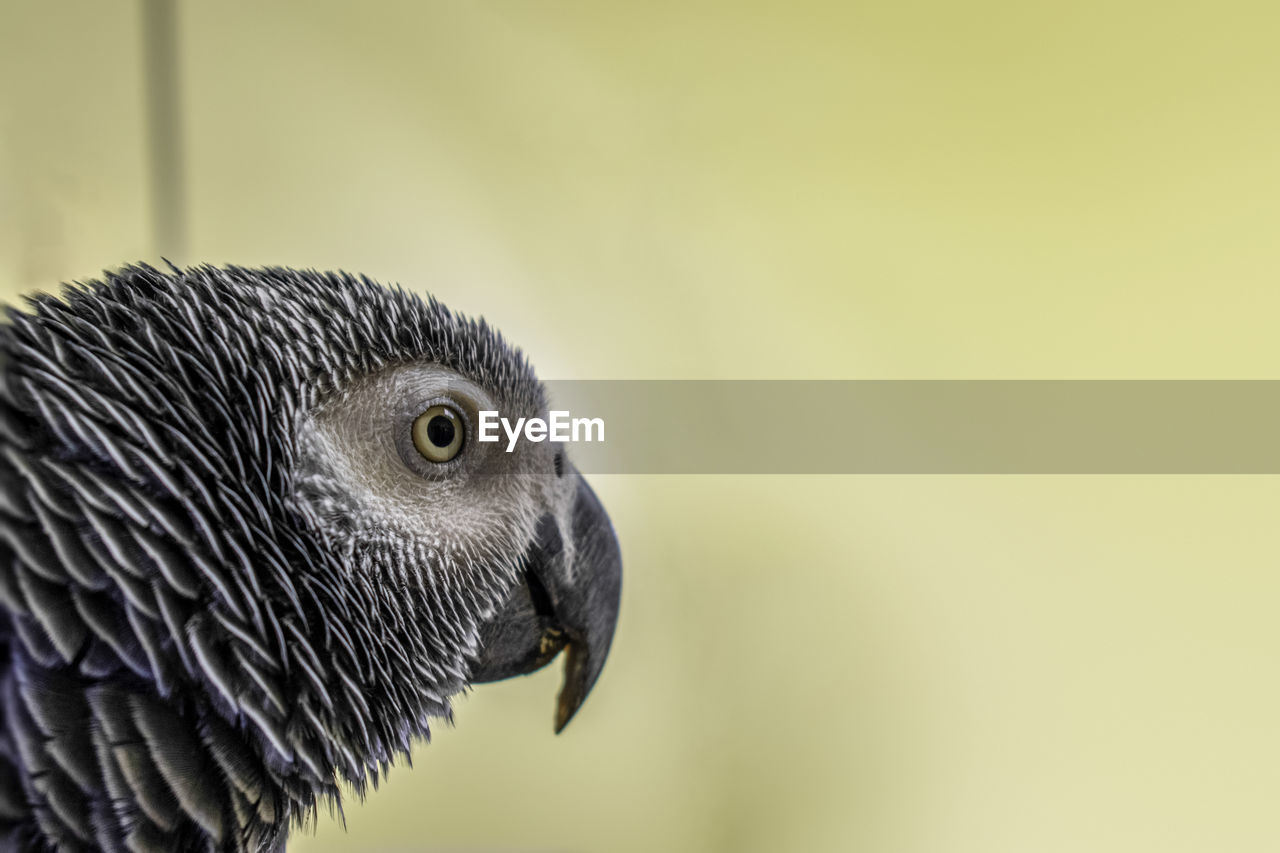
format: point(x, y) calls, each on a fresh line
point(437, 434)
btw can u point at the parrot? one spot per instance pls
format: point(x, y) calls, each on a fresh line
point(250, 550)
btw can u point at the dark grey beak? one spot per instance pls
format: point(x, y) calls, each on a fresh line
point(560, 606)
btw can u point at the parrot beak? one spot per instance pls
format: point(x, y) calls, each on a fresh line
point(568, 600)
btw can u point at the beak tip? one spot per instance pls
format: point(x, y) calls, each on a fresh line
point(567, 708)
point(562, 718)
point(579, 678)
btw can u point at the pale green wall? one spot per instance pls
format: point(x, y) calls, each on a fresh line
point(908, 189)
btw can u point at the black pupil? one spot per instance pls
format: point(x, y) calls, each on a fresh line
point(440, 431)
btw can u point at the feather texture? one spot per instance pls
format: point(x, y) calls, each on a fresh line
point(188, 661)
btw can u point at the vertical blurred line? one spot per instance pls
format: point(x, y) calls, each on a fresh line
point(164, 119)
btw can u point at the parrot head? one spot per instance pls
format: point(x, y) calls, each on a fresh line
point(245, 521)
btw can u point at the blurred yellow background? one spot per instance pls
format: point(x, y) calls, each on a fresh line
point(891, 190)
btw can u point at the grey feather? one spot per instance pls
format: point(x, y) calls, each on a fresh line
point(201, 628)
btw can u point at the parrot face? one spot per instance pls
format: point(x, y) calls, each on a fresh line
point(434, 520)
point(249, 544)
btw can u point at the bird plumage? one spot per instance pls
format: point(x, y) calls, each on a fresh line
point(205, 622)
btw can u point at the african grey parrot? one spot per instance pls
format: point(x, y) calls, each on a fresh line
point(248, 547)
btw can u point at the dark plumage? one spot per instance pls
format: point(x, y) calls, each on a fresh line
point(224, 582)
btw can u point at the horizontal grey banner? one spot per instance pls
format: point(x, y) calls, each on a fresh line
point(923, 427)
